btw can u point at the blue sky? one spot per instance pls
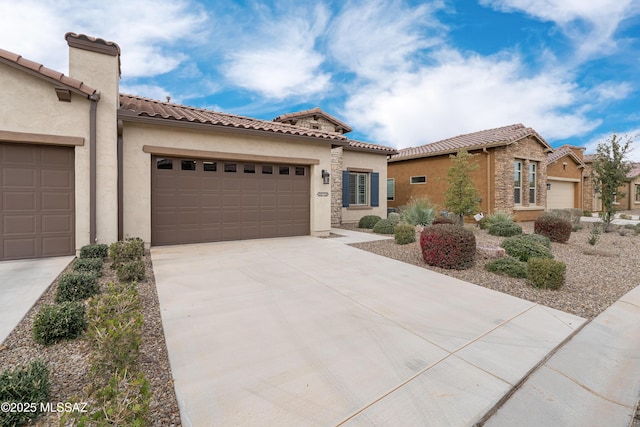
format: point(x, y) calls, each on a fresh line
point(401, 73)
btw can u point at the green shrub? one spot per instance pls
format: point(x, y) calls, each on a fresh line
point(24, 384)
point(57, 322)
point(508, 266)
point(124, 401)
point(554, 227)
point(384, 226)
point(497, 218)
point(505, 229)
point(527, 246)
point(131, 271)
point(405, 233)
point(448, 246)
point(394, 217)
point(586, 213)
point(594, 236)
point(483, 223)
point(126, 250)
point(88, 265)
point(368, 221)
point(444, 220)
point(546, 273)
point(418, 212)
point(76, 286)
point(94, 251)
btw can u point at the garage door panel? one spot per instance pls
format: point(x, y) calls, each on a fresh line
point(56, 201)
point(186, 201)
point(19, 224)
point(211, 201)
point(561, 194)
point(56, 224)
point(19, 248)
point(19, 178)
point(57, 246)
point(52, 156)
point(53, 178)
point(20, 154)
point(18, 201)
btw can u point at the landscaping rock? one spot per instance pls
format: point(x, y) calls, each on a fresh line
point(489, 251)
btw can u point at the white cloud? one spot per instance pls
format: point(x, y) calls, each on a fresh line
point(467, 94)
point(634, 134)
point(590, 24)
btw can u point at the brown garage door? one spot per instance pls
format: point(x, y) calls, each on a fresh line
point(36, 201)
point(195, 200)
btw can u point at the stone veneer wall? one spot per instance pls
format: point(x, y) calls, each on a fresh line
point(587, 193)
point(336, 186)
point(528, 150)
point(320, 124)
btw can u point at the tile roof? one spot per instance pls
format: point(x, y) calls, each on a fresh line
point(562, 151)
point(144, 107)
point(311, 112)
point(635, 171)
point(366, 146)
point(54, 77)
point(589, 158)
point(486, 138)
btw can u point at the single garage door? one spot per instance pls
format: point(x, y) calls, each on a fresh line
point(196, 200)
point(36, 201)
point(561, 195)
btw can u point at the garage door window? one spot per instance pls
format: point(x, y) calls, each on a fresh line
point(249, 168)
point(299, 171)
point(267, 170)
point(230, 167)
point(284, 170)
point(188, 165)
point(164, 164)
point(209, 166)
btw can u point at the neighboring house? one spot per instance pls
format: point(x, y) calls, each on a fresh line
point(565, 177)
point(512, 173)
point(81, 163)
point(627, 197)
point(358, 169)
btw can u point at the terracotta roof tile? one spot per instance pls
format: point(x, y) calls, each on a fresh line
point(145, 107)
point(311, 112)
point(589, 158)
point(366, 146)
point(635, 171)
point(45, 73)
point(562, 151)
point(486, 138)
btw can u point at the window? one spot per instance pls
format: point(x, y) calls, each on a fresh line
point(517, 182)
point(532, 182)
point(249, 168)
point(391, 189)
point(188, 165)
point(284, 170)
point(209, 166)
point(358, 188)
point(637, 192)
point(267, 170)
point(418, 179)
point(300, 170)
point(230, 167)
point(164, 164)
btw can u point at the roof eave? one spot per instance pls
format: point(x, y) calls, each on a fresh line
point(371, 150)
point(451, 151)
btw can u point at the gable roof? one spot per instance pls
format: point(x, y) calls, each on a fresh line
point(132, 107)
point(56, 78)
point(292, 117)
point(497, 137)
point(366, 146)
point(635, 171)
point(561, 152)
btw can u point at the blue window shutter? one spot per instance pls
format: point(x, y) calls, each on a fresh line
point(375, 189)
point(345, 189)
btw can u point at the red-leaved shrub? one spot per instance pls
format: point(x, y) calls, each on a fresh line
point(555, 228)
point(448, 246)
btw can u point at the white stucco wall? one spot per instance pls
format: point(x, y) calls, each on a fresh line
point(137, 167)
point(376, 163)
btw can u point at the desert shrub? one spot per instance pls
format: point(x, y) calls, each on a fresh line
point(483, 223)
point(124, 401)
point(527, 246)
point(126, 250)
point(555, 228)
point(594, 236)
point(76, 286)
point(394, 217)
point(94, 251)
point(418, 212)
point(443, 220)
point(448, 246)
point(384, 226)
point(405, 233)
point(368, 221)
point(576, 227)
point(625, 216)
point(586, 213)
point(57, 322)
point(572, 215)
point(505, 229)
point(24, 384)
point(508, 266)
point(497, 217)
point(630, 227)
point(131, 271)
point(546, 273)
point(88, 265)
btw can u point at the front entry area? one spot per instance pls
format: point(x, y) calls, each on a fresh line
point(209, 200)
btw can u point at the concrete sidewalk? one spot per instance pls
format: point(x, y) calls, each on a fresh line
point(309, 331)
point(21, 284)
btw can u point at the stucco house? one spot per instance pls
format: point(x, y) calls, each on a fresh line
point(627, 197)
point(81, 163)
point(512, 173)
point(566, 178)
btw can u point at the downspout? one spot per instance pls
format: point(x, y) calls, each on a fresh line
point(120, 180)
point(92, 166)
point(484, 150)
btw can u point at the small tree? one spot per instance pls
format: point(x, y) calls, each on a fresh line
point(461, 196)
point(610, 171)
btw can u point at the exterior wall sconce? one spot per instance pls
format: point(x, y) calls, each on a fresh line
point(325, 176)
point(548, 186)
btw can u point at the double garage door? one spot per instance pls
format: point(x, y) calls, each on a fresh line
point(36, 201)
point(209, 200)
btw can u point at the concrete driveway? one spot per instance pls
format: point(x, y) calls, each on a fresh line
point(309, 331)
point(21, 285)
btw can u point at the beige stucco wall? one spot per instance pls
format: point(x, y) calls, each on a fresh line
point(375, 163)
point(137, 167)
point(30, 105)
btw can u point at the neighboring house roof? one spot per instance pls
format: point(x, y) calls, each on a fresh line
point(590, 158)
point(561, 152)
point(61, 82)
point(135, 106)
point(365, 146)
point(292, 117)
point(635, 171)
point(497, 137)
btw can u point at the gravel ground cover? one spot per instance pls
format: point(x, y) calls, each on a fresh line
point(68, 360)
point(596, 276)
